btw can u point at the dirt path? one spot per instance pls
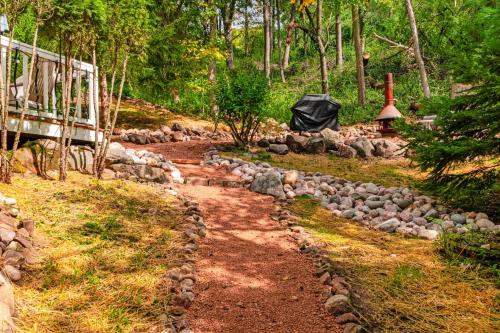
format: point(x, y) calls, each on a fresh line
point(251, 276)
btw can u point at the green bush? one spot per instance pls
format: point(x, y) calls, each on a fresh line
point(241, 97)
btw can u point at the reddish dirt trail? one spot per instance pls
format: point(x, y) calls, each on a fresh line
point(251, 276)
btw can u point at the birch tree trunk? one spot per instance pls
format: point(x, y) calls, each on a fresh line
point(267, 38)
point(278, 17)
point(356, 35)
point(288, 42)
point(321, 47)
point(339, 59)
point(212, 64)
point(416, 47)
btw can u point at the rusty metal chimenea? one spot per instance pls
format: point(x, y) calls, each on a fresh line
point(389, 112)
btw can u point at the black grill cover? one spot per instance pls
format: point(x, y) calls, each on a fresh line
point(314, 113)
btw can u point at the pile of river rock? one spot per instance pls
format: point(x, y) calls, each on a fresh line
point(349, 142)
point(139, 165)
point(393, 209)
point(16, 249)
point(176, 133)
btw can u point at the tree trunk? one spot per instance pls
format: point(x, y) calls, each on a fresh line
point(246, 26)
point(228, 15)
point(416, 47)
point(267, 39)
point(359, 56)
point(288, 41)
point(111, 127)
point(321, 47)
point(24, 108)
point(212, 64)
point(278, 15)
point(305, 38)
point(339, 60)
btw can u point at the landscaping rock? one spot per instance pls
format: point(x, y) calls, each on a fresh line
point(337, 304)
point(291, 177)
point(352, 328)
point(264, 143)
point(346, 318)
point(296, 143)
point(269, 183)
point(143, 172)
point(485, 224)
point(315, 146)
point(344, 151)
point(363, 147)
point(429, 234)
point(331, 135)
point(389, 225)
point(280, 149)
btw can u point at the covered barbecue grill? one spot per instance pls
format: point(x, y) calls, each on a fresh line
point(314, 113)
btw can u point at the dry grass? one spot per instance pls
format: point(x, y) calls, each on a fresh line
point(380, 171)
point(105, 247)
point(133, 115)
point(402, 284)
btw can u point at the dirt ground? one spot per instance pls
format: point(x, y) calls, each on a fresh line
point(251, 276)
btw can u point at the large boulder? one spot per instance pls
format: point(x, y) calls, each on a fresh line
point(81, 158)
point(296, 143)
point(344, 150)
point(116, 154)
point(138, 138)
point(332, 138)
point(37, 156)
point(385, 148)
point(315, 146)
point(363, 147)
point(142, 172)
point(268, 183)
point(280, 149)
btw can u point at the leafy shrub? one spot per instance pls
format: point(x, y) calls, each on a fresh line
point(241, 97)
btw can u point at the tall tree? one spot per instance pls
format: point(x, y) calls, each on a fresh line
point(358, 47)
point(227, 12)
point(267, 38)
point(288, 41)
point(416, 48)
point(339, 56)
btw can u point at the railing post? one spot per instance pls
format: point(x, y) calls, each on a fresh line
point(45, 90)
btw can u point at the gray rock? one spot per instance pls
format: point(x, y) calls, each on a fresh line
point(337, 304)
point(344, 151)
point(280, 149)
point(143, 172)
point(330, 135)
point(12, 273)
point(348, 214)
point(296, 143)
point(268, 183)
point(352, 328)
point(402, 203)
point(363, 147)
point(315, 146)
point(485, 224)
point(138, 138)
point(447, 225)
point(264, 143)
point(432, 213)
point(458, 218)
point(177, 127)
point(428, 234)
point(374, 204)
point(117, 155)
point(389, 225)
point(371, 188)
